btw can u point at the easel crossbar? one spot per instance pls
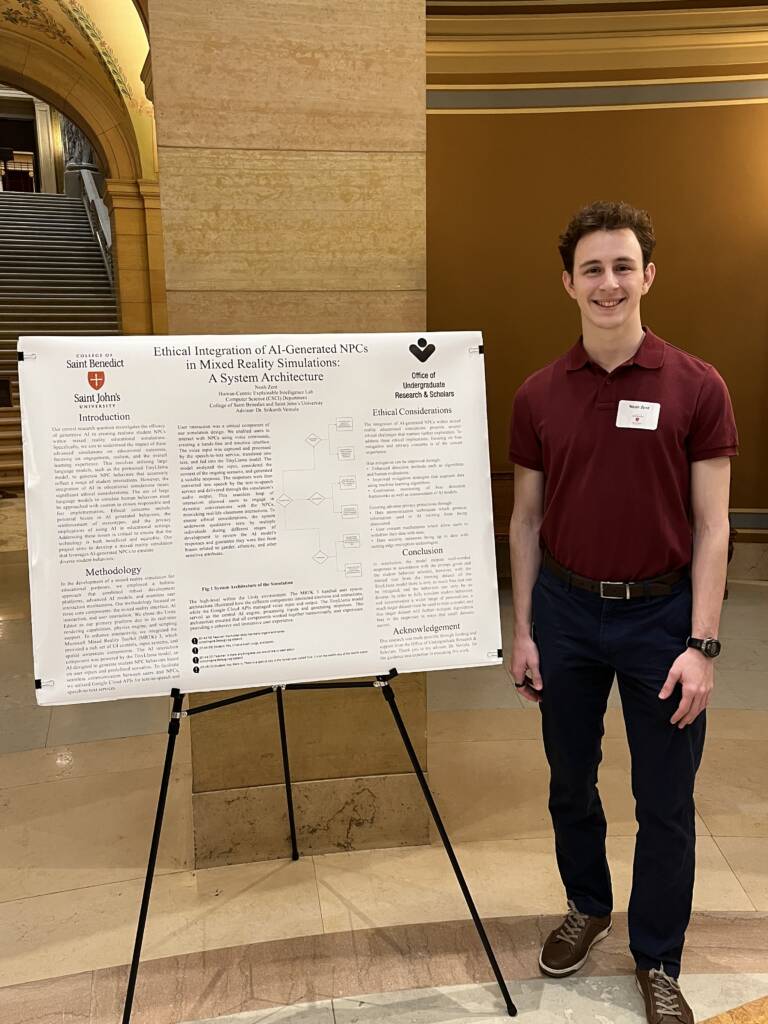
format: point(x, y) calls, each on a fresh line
point(382, 683)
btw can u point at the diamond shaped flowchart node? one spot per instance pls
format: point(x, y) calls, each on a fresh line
point(284, 499)
point(316, 498)
point(313, 439)
point(320, 557)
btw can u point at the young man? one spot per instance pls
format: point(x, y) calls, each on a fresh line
point(619, 542)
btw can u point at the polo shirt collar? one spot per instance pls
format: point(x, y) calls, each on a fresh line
point(650, 355)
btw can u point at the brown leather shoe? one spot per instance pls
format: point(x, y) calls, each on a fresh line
point(567, 947)
point(664, 1002)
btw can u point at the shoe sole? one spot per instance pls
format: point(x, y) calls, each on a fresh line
point(551, 972)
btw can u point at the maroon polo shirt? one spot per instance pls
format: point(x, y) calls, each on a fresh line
point(617, 500)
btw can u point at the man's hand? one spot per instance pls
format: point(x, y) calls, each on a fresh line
point(696, 674)
point(524, 666)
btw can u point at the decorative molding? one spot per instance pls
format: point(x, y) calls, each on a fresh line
point(90, 31)
point(662, 43)
point(146, 77)
point(518, 8)
point(32, 14)
point(597, 97)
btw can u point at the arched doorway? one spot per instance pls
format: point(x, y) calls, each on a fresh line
point(66, 75)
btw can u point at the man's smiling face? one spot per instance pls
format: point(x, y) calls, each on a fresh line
point(608, 278)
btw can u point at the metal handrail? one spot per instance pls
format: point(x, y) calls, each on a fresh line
point(98, 218)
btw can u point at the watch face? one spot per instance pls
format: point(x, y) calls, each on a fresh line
point(711, 648)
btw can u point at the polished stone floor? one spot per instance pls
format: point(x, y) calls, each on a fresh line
point(302, 941)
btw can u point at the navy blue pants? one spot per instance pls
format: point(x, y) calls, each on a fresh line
point(583, 640)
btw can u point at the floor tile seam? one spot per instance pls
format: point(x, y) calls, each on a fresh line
point(81, 778)
point(317, 894)
point(505, 739)
point(159, 873)
point(733, 872)
point(723, 835)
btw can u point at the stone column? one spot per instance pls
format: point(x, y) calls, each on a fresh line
point(45, 148)
point(291, 144)
point(137, 254)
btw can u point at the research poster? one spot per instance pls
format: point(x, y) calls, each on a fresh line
point(214, 512)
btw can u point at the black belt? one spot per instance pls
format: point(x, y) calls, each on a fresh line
point(610, 589)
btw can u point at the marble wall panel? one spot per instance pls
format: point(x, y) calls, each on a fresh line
point(749, 562)
point(295, 312)
point(331, 734)
point(310, 74)
point(236, 220)
point(237, 826)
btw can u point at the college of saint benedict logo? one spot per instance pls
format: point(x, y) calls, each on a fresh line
point(96, 379)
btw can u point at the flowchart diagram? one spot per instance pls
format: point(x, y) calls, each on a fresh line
point(321, 498)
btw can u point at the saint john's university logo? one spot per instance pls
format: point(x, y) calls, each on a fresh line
point(96, 379)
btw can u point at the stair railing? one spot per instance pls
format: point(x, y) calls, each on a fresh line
point(99, 220)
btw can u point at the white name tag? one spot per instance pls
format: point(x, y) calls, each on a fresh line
point(638, 415)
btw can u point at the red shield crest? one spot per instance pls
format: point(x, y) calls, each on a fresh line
point(96, 379)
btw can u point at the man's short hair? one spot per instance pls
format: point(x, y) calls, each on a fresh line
point(607, 216)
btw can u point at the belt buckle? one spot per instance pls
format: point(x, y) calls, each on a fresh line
point(614, 597)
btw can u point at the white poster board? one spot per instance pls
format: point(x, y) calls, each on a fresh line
point(219, 512)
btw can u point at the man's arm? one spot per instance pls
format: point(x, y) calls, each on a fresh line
point(710, 484)
point(525, 556)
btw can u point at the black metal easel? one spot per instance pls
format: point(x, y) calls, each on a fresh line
point(382, 683)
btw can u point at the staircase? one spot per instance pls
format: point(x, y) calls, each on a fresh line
point(52, 281)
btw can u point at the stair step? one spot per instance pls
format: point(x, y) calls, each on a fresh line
point(15, 271)
point(42, 197)
point(85, 246)
point(49, 217)
point(67, 312)
point(43, 247)
point(24, 306)
point(38, 285)
point(30, 301)
point(54, 232)
point(86, 290)
point(12, 228)
point(43, 312)
point(48, 257)
point(17, 237)
point(107, 332)
point(18, 228)
point(43, 275)
point(61, 275)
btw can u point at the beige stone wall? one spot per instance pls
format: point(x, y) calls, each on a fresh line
point(291, 141)
point(291, 147)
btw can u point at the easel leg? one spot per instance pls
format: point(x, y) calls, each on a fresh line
point(287, 772)
point(389, 696)
point(173, 731)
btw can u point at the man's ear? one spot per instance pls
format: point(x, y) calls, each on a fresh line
point(568, 283)
point(648, 277)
